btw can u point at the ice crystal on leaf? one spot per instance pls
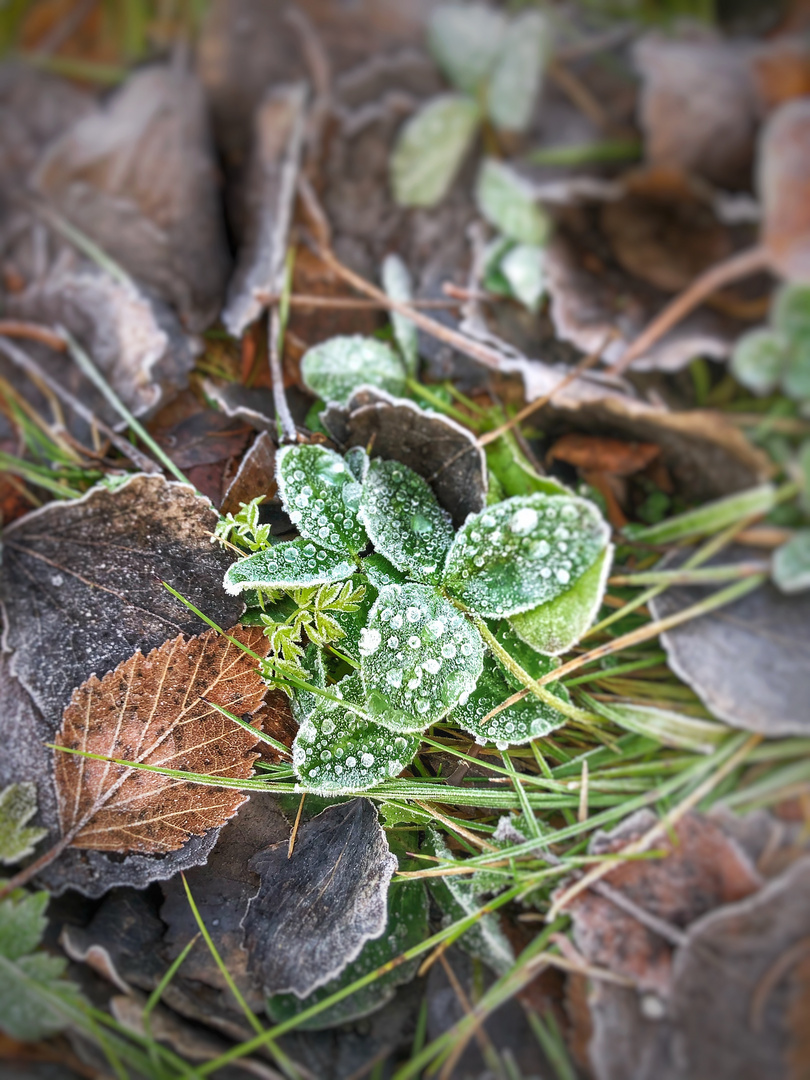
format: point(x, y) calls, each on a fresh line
point(321, 496)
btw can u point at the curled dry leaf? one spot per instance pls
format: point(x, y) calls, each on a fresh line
point(315, 911)
point(159, 710)
point(749, 662)
point(784, 187)
point(138, 177)
point(438, 449)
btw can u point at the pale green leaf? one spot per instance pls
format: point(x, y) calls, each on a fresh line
point(406, 928)
point(710, 518)
point(516, 79)
point(464, 40)
point(338, 752)
point(285, 566)
point(507, 202)
point(552, 628)
point(527, 719)
point(458, 897)
point(523, 268)
point(357, 462)
point(404, 520)
point(397, 284)
point(430, 148)
point(791, 563)
point(523, 552)
point(419, 657)
point(664, 725)
point(321, 497)
point(796, 378)
point(18, 804)
point(790, 310)
point(336, 368)
point(759, 360)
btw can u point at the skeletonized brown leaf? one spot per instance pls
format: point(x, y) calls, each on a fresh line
point(154, 709)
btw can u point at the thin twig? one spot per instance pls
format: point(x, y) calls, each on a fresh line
point(732, 269)
point(289, 431)
point(16, 328)
point(350, 303)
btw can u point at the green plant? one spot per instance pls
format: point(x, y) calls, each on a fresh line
point(409, 622)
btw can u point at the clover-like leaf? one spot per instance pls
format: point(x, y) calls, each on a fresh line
point(759, 359)
point(380, 571)
point(520, 723)
point(321, 496)
point(357, 462)
point(522, 268)
point(337, 751)
point(18, 804)
point(523, 552)
point(407, 926)
point(791, 563)
point(397, 283)
point(553, 627)
point(336, 368)
point(287, 565)
point(430, 148)
point(516, 78)
point(464, 40)
point(404, 520)
point(796, 379)
point(420, 657)
point(506, 200)
point(790, 310)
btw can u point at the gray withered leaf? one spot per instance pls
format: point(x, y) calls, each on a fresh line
point(437, 448)
point(315, 911)
point(749, 662)
point(139, 177)
point(81, 583)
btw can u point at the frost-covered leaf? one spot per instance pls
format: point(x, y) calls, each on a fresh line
point(791, 563)
point(790, 310)
point(464, 40)
point(404, 520)
point(397, 283)
point(552, 628)
point(27, 978)
point(506, 200)
point(759, 359)
point(796, 379)
point(407, 926)
point(321, 496)
point(315, 911)
point(522, 269)
point(420, 656)
point(357, 462)
point(430, 148)
point(520, 723)
point(457, 896)
point(336, 751)
point(334, 369)
point(18, 804)
point(287, 565)
point(380, 571)
point(523, 552)
point(515, 81)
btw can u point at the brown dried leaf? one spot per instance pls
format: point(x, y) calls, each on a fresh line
point(154, 709)
point(784, 187)
point(607, 455)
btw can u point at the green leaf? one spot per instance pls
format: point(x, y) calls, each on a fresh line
point(663, 725)
point(404, 520)
point(790, 311)
point(29, 980)
point(285, 566)
point(796, 378)
point(420, 657)
point(397, 284)
point(336, 368)
point(407, 927)
point(321, 496)
point(552, 628)
point(507, 202)
point(338, 752)
point(464, 40)
point(357, 462)
point(524, 552)
point(516, 79)
point(759, 359)
point(457, 896)
point(380, 571)
point(520, 723)
point(791, 564)
point(18, 804)
point(523, 268)
point(710, 518)
point(430, 148)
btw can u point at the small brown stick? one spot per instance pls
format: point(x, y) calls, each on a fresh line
point(350, 303)
point(294, 832)
point(716, 277)
point(15, 328)
point(579, 94)
point(34, 371)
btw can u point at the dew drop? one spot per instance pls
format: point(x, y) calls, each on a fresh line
point(523, 521)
